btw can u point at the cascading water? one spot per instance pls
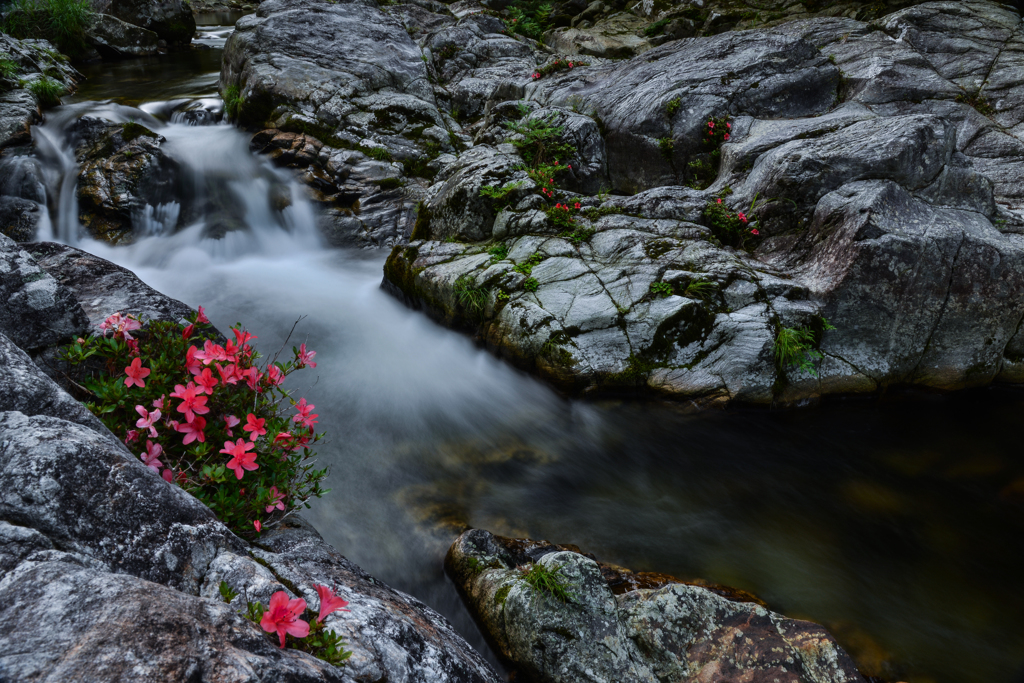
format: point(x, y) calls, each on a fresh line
point(894, 521)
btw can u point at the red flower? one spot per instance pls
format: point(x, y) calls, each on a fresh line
point(259, 529)
point(576, 205)
point(711, 124)
point(193, 430)
point(753, 231)
point(255, 425)
point(283, 616)
point(719, 200)
point(201, 318)
point(329, 602)
point(136, 373)
point(187, 332)
point(741, 217)
point(306, 357)
point(191, 401)
point(206, 381)
point(726, 137)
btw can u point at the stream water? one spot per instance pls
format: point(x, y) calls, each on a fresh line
point(897, 522)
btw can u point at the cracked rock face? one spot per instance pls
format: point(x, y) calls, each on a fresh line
point(882, 172)
point(108, 572)
point(676, 632)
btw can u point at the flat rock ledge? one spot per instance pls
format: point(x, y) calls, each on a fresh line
point(612, 630)
point(109, 573)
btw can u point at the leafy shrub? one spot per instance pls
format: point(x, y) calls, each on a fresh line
point(795, 347)
point(47, 91)
point(498, 252)
point(232, 101)
point(667, 146)
point(62, 22)
point(530, 284)
point(501, 196)
point(174, 404)
point(563, 216)
point(578, 236)
point(9, 69)
point(673, 106)
point(526, 267)
point(529, 18)
point(699, 289)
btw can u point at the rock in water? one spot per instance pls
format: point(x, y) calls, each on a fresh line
point(568, 625)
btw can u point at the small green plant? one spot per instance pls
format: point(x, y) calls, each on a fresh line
point(539, 142)
point(9, 69)
point(578, 236)
point(547, 582)
point(379, 153)
point(596, 212)
point(656, 28)
point(673, 106)
point(700, 289)
point(389, 183)
point(47, 91)
point(447, 51)
point(795, 347)
point(526, 267)
point(530, 284)
point(667, 145)
point(979, 102)
point(529, 18)
point(62, 22)
point(226, 594)
point(470, 296)
point(662, 289)
point(563, 216)
point(498, 252)
point(501, 196)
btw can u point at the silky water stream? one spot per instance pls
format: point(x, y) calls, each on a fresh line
point(898, 523)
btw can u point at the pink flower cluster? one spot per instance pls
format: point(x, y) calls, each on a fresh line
point(282, 615)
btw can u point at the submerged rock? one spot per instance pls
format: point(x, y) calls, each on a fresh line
point(553, 614)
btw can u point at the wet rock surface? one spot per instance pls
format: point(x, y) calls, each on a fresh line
point(91, 540)
point(170, 20)
point(20, 108)
point(668, 632)
point(647, 291)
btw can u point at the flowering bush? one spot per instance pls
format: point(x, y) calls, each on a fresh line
point(563, 216)
point(703, 169)
point(732, 228)
point(717, 131)
point(175, 396)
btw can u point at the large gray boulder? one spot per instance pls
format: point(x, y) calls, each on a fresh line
point(19, 107)
point(115, 38)
point(676, 632)
point(170, 20)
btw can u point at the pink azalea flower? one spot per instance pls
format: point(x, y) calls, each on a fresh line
point(742, 217)
point(252, 378)
point(191, 362)
point(306, 357)
point(282, 616)
point(242, 338)
point(274, 375)
point(192, 402)
point(193, 430)
point(131, 436)
point(151, 457)
point(719, 200)
point(147, 420)
point(569, 166)
point(711, 124)
point(159, 403)
point(259, 529)
point(111, 323)
point(729, 126)
point(303, 416)
point(726, 137)
point(255, 425)
point(229, 374)
point(136, 373)
point(231, 350)
point(206, 381)
point(231, 422)
point(753, 231)
point(187, 332)
point(133, 345)
point(201, 318)
point(241, 459)
point(329, 602)
point(168, 476)
point(276, 502)
point(211, 352)
point(577, 205)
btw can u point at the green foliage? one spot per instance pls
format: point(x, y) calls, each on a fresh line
point(530, 284)
point(131, 130)
point(320, 642)
point(703, 170)
point(795, 347)
point(530, 18)
point(378, 153)
point(980, 103)
point(232, 101)
point(470, 296)
point(667, 146)
point(498, 252)
point(662, 289)
point(578, 236)
point(656, 28)
point(226, 594)
point(389, 183)
point(539, 143)
point(62, 22)
point(637, 368)
point(547, 582)
point(596, 212)
point(526, 267)
point(447, 51)
point(186, 448)
point(501, 196)
point(47, 91)
point(9, 69)
point(700, 289)
point(673, 106)
point(563, 216)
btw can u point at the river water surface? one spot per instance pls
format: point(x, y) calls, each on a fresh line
point(897, 522)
